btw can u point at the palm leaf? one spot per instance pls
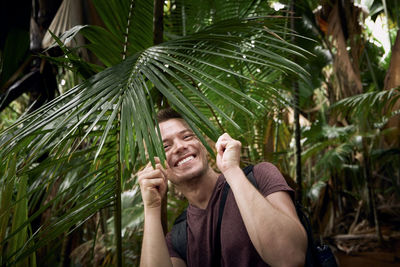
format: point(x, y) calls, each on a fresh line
point(380, 102)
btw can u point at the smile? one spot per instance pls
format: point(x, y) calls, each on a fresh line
point(184, 160)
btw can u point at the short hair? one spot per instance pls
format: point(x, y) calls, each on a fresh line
point(167, 114)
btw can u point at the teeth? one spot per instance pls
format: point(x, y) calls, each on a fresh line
point(185, 160)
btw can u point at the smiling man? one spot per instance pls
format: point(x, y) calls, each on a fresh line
point(259, 226)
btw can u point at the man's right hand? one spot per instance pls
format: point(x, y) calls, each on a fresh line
point(153, 184)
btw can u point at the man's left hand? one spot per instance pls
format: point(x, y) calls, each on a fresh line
point(228, 152)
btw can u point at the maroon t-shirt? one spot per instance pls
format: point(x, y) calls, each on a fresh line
point(236, 247)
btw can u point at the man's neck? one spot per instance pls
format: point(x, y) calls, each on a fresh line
point(199, 190)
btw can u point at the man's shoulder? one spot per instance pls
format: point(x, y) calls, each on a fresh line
point(270, 179)
point(264, 170)
point(265, 166)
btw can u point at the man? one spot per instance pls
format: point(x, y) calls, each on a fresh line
point(259, 227)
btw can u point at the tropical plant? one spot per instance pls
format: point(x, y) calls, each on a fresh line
point(352, 59)
point(72, 158)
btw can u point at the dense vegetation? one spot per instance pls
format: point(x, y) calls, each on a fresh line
point(311, 86)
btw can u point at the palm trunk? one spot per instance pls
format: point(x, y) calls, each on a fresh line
point(158, 31)
point(373, 213)
point(117, 208)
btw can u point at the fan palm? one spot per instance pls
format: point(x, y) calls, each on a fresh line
point(75, 155)
point(347, 155)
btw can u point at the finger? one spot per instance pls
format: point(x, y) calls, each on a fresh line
point(156, 183)
point(167, 165)
point(145, 167)
point(158, 163)
point(149, 167)
point(217, 144)
point(158, 173)
point(162, 169)
point(152, 174)
point(159, 183)
point(153, 183)
point(155, 160)
point(225, 136)
point(221, 146)
point(220, 138)
point(159, 166)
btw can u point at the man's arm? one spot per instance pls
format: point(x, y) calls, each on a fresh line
point(153, 186)
point(154, 248)
point(271, 222)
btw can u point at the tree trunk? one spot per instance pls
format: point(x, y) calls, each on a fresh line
point(342, 30)
point(158, 20)
point(348, 74)
point(392, 80)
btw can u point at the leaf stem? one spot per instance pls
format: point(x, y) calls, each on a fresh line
point(131, 7)
point(117, 208)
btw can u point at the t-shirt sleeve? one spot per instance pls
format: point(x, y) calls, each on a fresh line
point(270, 180)
point(171, 250)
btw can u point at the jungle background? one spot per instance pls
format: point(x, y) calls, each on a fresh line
point(311, 86)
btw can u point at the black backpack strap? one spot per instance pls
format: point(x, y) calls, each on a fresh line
point(248, 171)
point(310, 253)
point(179, 235)
point(217, 249)
point(216, 258)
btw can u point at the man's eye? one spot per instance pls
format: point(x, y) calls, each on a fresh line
point(166, 146)
point(187, 136)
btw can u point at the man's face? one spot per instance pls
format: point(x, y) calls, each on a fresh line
point(186, 155)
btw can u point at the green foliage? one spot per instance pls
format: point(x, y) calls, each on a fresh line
point(227, 66)
point(375, 107)
point(75, 150)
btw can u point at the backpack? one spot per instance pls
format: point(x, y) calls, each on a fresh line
point(316, 255)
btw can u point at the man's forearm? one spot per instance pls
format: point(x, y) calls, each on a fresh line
point(278, 238)
point(154, 247)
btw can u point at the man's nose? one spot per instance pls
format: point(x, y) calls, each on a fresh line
point(180, 145)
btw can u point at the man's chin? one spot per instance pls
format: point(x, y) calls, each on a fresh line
point(189, 175)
